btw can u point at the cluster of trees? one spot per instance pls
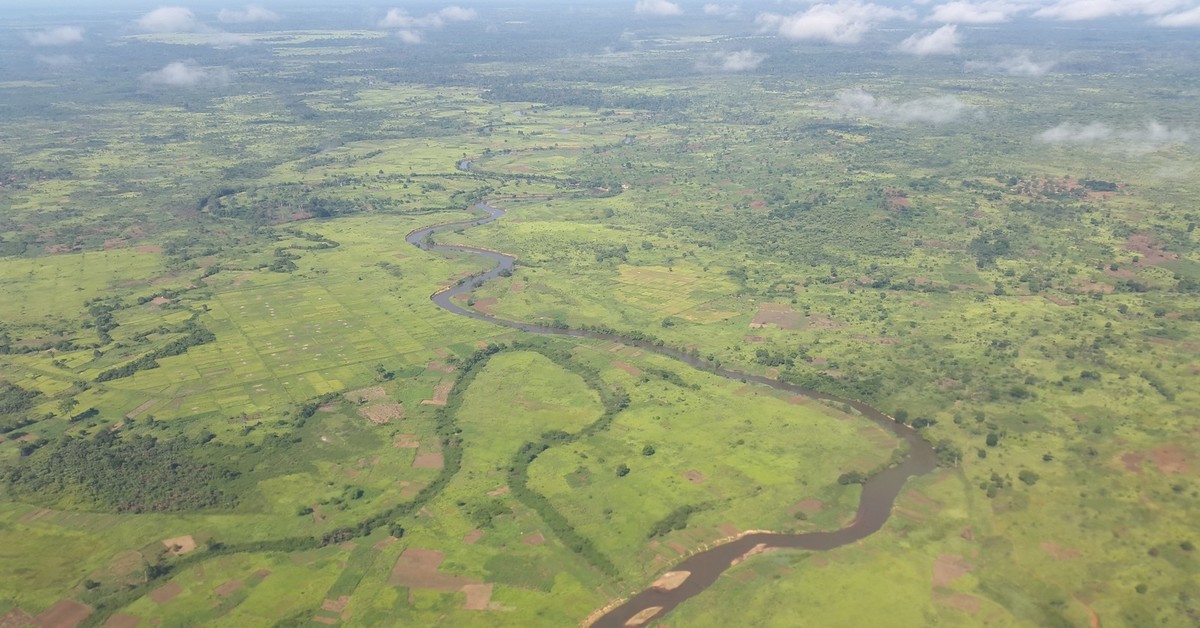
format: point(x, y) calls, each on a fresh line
point(194, 334)
point(676, 520)
point(125, 474)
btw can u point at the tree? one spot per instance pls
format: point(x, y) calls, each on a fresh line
point(1028, 477)
point(66, 406)
point(622, 470)
point(648, 450)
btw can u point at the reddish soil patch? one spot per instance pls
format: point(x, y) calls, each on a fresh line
point(441, 393)
point(968, 534)
point(537, 538)
point(64, 614)
point(516, 287)
point(1060, 301)
point(115, 243)
point(503, 490)
point(440, 367)
point(132, 414)
point(807, 506)
point(897, 200)
point(1143, 245)
point(149, 248)
point(262, 573)
point(121, 621)
point(382, 413)
point(161, 301)
point(758, 205)
point(180, 545)
point(229, 588)
point(1170, 459)
point(408, 441)
point(479, 596)
point(485, 305)
point(1132, 462)
point(1092, 286)
point(948, 568)
point(780, 315)
point(628, 368)
point(166, 593)
point(337, 605)
point(363, 395)
point(432, 460)
point(418, 569)
point(473, 537)
point(754, 339)
point(694, 476)
point(728, 529)
point(961, 601)
point(1059, 552)
point(16, 618)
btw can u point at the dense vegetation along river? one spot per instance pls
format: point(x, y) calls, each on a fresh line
point(878, 494)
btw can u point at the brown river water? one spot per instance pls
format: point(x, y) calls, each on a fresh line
point(878, 494)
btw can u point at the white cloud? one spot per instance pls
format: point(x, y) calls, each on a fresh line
point(739, 61)
point(721, 10)
point(1136, 139)
point(842, 23)
point(1074, 10)
point(657, 7)
point(985, 12)
point(186, 74)
point(59, 36)
point(169, 20)
point(931, 110)
point(458, 14)
point(1022, 64)
point(943, 41)
point(399, 18)
point(1180, 20)
point(252, 13)
point(410, 37)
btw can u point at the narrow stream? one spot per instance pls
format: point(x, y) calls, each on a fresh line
point(878, 494)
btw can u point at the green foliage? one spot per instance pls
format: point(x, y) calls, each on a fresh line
point(131, 474)
point(677, 520)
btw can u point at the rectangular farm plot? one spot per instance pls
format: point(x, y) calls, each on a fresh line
point(664, 291)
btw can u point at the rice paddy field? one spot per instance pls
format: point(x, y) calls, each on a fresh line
point(227, 399)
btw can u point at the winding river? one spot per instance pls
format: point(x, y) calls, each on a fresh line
point(878, 494)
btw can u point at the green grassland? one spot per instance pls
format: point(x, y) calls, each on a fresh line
point(215, 283)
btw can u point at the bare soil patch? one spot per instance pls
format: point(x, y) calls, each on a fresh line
point(537, 538)
point(115, 243)
point(64, 614)
point(473, 537)
point(363, 395)
point(440, 367)
point(694, 476)
point(1059, 301)
point(1170, 459)
point(16, 618)
point(643, 617)
point(180, 545)
point(229, 588)
point(161, 301)
point(628, 368)
point(948, 568)
point(780, 315)
point(728, 529)
point(1059, 552)
point(485, 305)
point(1132, 462)
point(149, 248)
point(441, 393)
point(431, 460)
point(166, 593)
point(122, 621)
point(503, 490)
point(962, 601)
point(408, 441)
point(1143, 244)
point(418, 569)
point(479, 596)
point(381, 413)
point(337, 605)
point(808, 506)
point(671, 580)
point(761, 548)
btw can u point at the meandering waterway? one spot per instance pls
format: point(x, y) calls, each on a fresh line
point(703, 568)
